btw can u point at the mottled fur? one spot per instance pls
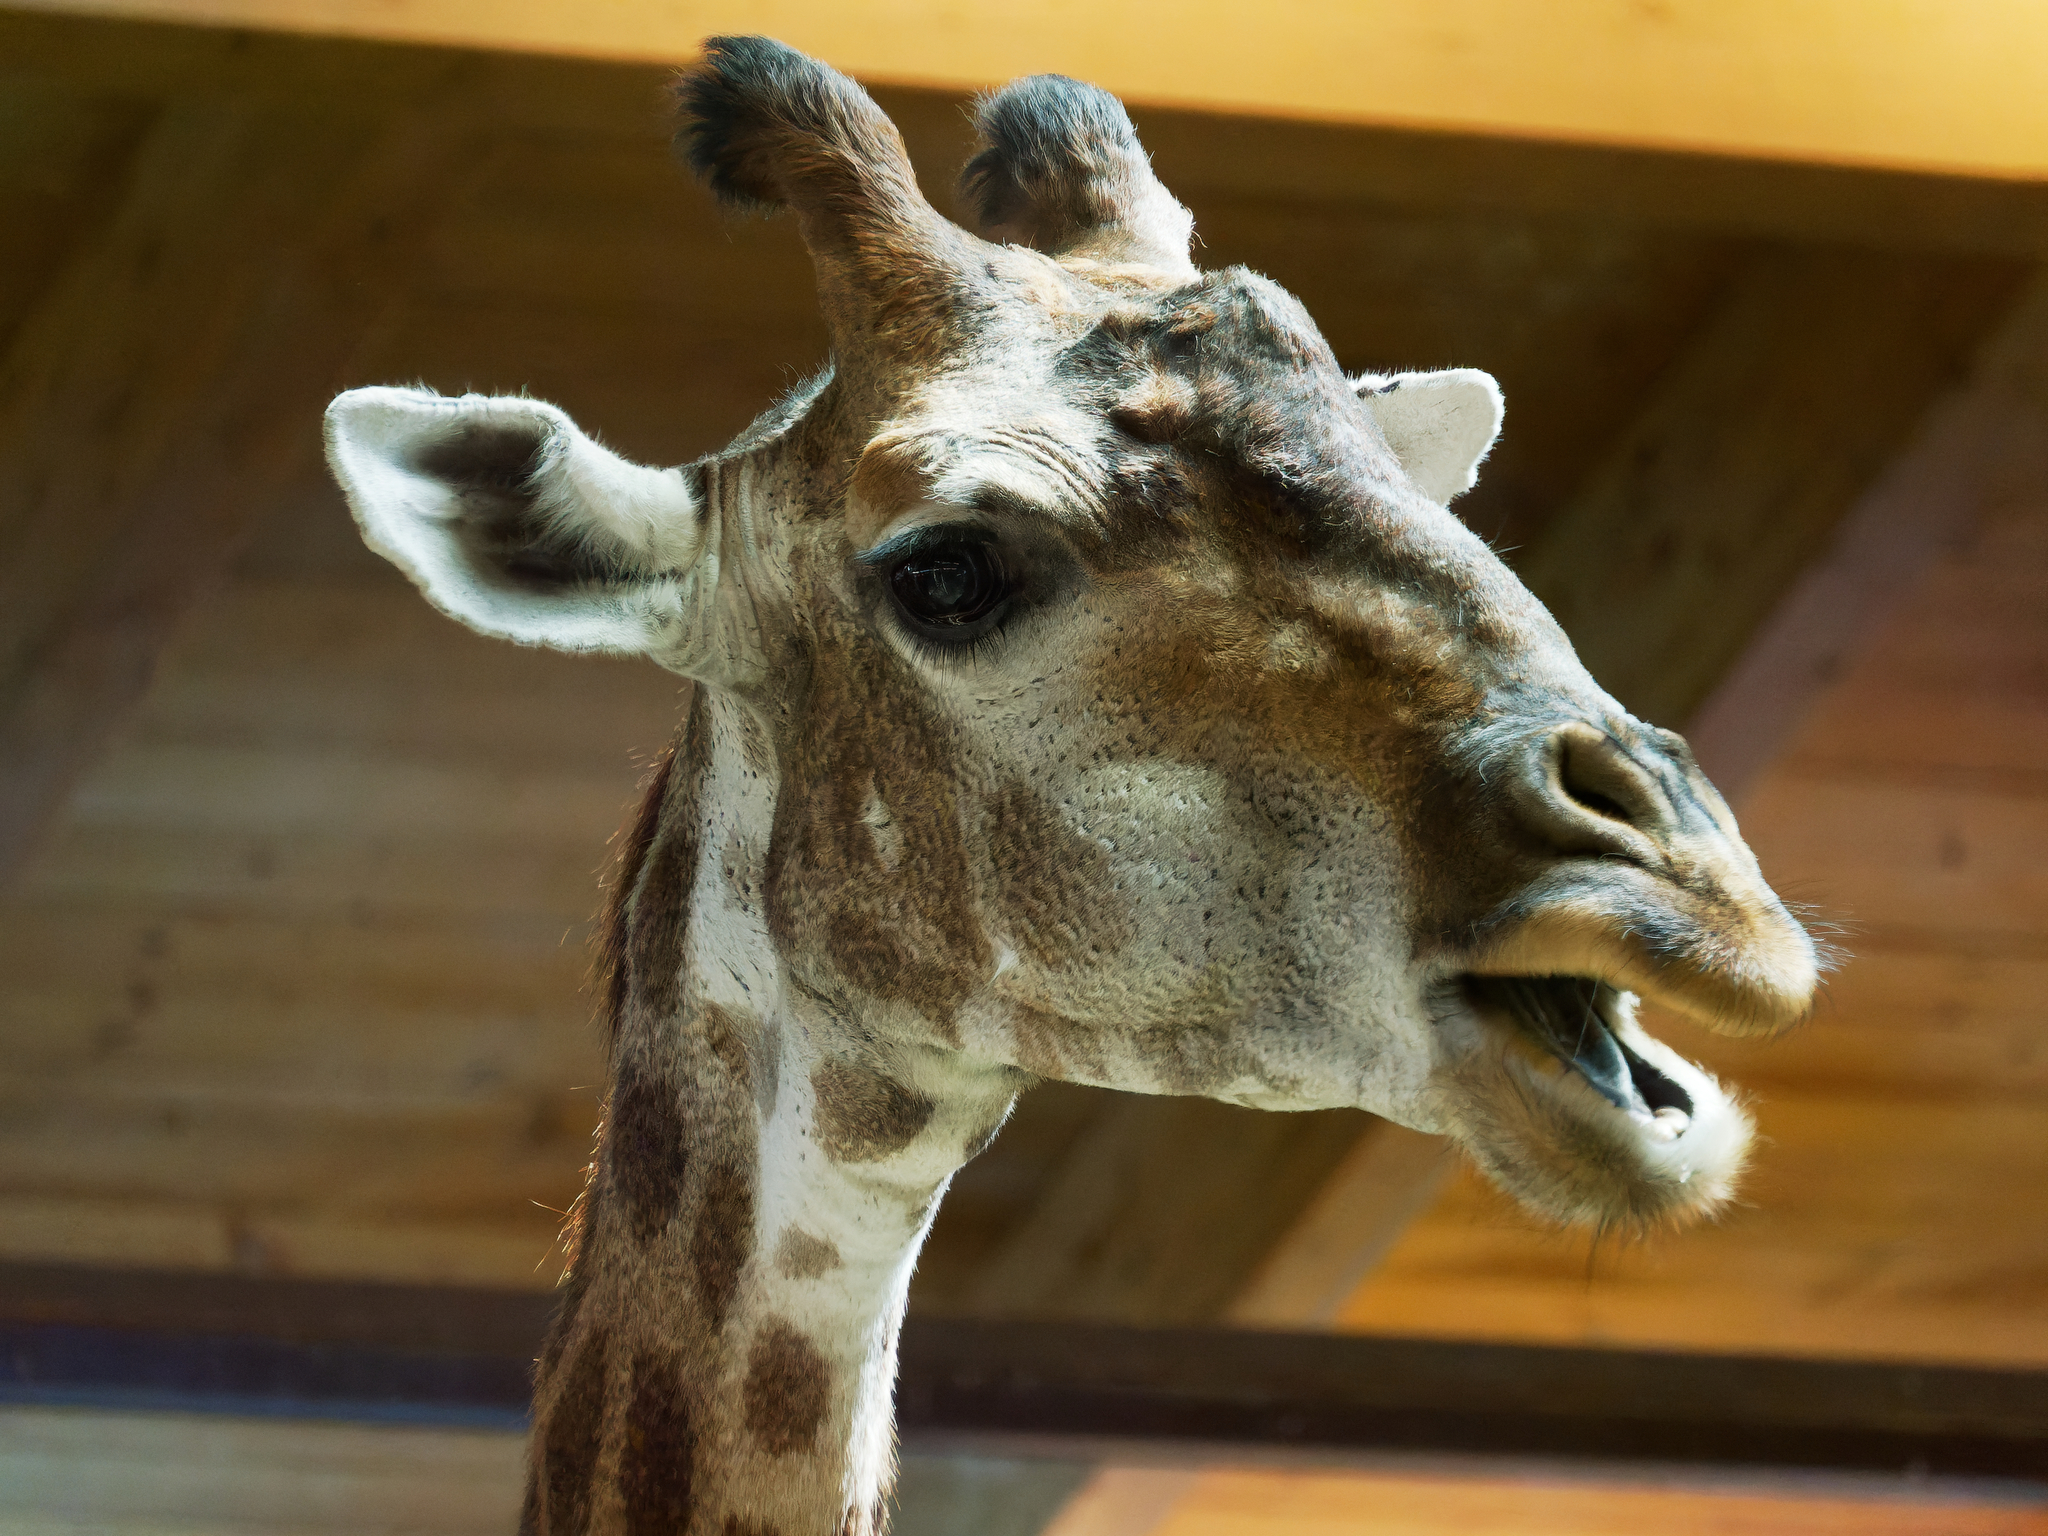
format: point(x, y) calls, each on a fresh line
point(1267, 758)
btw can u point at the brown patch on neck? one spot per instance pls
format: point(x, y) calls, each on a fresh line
point(722, 1239)
point(907, 933)
point(800, 1256)
point(644, 1146)
point(863, 1116)
point(570, 1440)
point(658, 1462)
point(747, 1049)
point(656, 913)
point(633, 839)
point(787, 1391)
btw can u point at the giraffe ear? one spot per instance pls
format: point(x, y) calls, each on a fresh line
point(1440, 425)
point(509, 518)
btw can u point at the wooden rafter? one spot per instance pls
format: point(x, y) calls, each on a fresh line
point(433, 1355)
point(168, 385)
point(1803, 384)
point(1949, 88)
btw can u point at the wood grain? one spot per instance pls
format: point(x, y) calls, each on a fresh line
point(1160, 1211)
point(1799, 389)
point(162, 389)
point(1251, 1503)
point(1693, 74)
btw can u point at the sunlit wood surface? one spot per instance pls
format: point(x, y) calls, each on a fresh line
point(1304, 1504)
point(1900, 1199)
point(1955, 87)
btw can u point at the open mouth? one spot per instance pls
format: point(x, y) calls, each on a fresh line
point(1582, 1023)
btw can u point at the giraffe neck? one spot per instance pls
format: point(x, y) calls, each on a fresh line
point(724, 1358)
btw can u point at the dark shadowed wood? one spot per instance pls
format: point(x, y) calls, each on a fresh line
point(1160, 1210)
point(422, 1354)
point(1803, 385)
point(164, 389)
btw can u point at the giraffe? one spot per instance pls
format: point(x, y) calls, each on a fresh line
point(1091, 684)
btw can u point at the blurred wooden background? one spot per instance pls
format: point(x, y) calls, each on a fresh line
point(295, 874)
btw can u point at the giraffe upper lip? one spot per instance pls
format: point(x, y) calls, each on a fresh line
point(1722, 951)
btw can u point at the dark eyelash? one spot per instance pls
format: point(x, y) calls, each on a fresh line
point(969, 654)
point(911, 540)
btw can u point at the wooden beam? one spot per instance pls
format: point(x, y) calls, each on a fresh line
point(1953, 89)
point(1387, 1178)
point(168, 384)
point(432, 1355)
point(1982, 438)
point(1117, 1390)
point(1200, 154)
point(1734, 476)
point(1161, 1210)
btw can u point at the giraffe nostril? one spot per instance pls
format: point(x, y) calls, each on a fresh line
point(1596, 802)
point(1585, 793)
point(1596, 775)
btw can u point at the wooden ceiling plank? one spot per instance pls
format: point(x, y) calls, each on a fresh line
point(168, 386)
point(1748, 455)
point(1981, 438)
point(1937, 87)
point(1277, 155)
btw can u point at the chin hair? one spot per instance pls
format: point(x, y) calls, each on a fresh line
point(1566, 1154)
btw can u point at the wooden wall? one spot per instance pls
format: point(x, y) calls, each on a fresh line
point(294, 987)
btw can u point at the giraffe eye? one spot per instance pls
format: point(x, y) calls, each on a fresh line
point(950, 587)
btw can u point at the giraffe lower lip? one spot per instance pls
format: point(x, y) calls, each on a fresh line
point(1569, 1016)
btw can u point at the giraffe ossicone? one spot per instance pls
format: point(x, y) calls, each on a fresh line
point(1092, 685)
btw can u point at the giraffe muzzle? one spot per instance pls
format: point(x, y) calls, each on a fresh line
point(1647, 885)
point(1638, 887)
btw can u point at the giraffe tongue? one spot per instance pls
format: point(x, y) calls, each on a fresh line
point(1564, 1013)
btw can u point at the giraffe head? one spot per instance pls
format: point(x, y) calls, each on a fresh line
point(1135, 711)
